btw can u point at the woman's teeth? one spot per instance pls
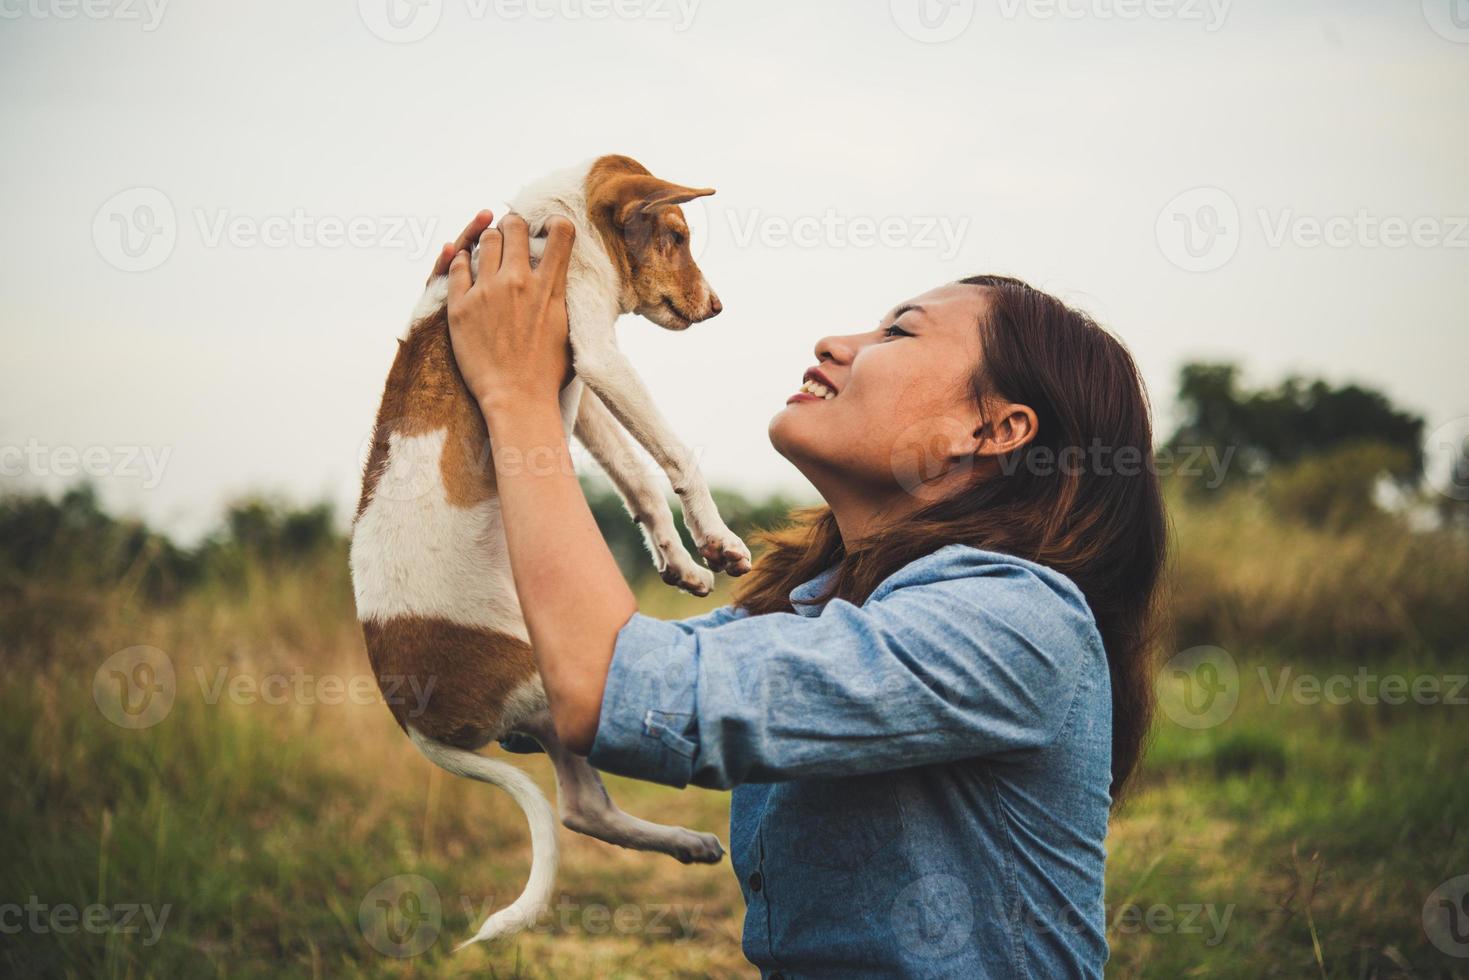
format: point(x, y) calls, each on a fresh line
point(819, 390)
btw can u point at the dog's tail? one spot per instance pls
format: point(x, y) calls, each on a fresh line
point(544, 851)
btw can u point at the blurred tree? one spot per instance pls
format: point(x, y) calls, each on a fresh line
point(73, 541)
point(1290, 422)
point(273, 530)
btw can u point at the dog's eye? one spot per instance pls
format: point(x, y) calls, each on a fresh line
point(678, 239)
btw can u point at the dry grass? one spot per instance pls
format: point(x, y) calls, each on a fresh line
point(1245, 578)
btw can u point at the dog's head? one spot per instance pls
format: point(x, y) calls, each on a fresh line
point(641, 224)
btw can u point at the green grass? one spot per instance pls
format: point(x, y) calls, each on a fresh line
point(1300, 818)
point(1291, 840)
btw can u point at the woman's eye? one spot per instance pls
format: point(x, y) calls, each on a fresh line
point(896, 331)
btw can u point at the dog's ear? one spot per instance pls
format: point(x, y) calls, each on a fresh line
point(640, 194)
point(664, 193)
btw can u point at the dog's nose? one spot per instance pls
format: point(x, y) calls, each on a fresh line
point(715, 307)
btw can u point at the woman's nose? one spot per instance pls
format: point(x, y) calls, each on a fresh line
point(834, 348)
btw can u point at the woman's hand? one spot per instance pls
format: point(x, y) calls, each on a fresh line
point(509, 325)
point(467, 238)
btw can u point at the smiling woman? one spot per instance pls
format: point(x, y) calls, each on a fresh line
point(958, 436)
point(928, 693)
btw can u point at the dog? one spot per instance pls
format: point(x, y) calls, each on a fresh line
point(430, 570)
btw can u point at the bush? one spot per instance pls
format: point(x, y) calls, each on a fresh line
point(72, 542)
point(1242, 578)
point(1246, 752)
point(1338, 488)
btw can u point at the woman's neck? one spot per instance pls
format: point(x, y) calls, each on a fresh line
point(861, 513)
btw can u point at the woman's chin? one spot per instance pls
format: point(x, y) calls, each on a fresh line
point(794, 437)
point(783, 427)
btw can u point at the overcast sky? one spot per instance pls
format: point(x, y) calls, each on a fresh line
point(216, 217)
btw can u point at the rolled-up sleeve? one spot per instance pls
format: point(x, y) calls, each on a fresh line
point(947, 660)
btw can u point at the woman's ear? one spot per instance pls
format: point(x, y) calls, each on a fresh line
point(1009, 428)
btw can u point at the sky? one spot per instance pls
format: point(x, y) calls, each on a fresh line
point(215, 218)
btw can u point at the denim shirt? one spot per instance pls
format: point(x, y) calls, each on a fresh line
point(920, 782)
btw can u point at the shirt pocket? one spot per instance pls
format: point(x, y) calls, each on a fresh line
point(838, 824)
point(668, 727)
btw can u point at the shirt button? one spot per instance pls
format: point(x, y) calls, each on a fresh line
point(757, 881)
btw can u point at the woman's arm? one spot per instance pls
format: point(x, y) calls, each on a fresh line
point(525, 745)
point(962, 654)
point(510, 336)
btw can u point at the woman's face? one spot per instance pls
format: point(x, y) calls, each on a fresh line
point(902, 408)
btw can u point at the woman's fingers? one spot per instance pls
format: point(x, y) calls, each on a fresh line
point(560, 235)
point(509, 246)
point(491, 245)
point(466, 241)
point(517, 243)
point(459, 278)
point(474, 229)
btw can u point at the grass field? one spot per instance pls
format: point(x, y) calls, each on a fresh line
point(271, 820)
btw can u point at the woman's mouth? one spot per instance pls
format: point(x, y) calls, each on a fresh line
point(812, 391)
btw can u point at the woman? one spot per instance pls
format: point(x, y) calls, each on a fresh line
point(928, 693)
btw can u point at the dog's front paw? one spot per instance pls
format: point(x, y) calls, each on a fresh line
point(724, 552)
point(682, 572)
point(676, 567)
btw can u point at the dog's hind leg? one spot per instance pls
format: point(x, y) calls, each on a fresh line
point(587, 809)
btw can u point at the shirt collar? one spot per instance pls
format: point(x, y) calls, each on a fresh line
point(802, 594)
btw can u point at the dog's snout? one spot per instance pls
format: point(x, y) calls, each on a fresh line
point(715, 307)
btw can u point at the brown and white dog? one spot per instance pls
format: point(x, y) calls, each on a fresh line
point(430, 569)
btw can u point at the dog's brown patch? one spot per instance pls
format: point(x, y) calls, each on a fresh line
point(425, 393)
point(450, 682)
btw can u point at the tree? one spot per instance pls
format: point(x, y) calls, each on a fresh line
point(1292, 421)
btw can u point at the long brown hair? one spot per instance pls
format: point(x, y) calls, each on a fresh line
point(1095, 515)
